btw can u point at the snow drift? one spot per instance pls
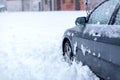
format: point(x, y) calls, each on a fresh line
point(30, 47)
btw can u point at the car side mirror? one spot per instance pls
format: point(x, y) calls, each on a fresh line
point(80, 21)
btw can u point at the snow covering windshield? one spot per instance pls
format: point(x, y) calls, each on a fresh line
point(103, 13)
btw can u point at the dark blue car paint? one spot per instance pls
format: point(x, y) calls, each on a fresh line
point(109, 53)
point(103, 56)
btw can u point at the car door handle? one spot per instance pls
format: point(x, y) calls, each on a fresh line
point(97, 34)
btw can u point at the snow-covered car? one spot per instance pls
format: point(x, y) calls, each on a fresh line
point(95, 40)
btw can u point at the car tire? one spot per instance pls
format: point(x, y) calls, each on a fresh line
point(67, 52)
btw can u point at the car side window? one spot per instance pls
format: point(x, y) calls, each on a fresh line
point(117, 19)
point(103, 13)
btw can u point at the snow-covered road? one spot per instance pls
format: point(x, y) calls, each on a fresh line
point(30, 47)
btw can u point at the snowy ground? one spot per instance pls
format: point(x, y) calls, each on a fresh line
point(30, 47)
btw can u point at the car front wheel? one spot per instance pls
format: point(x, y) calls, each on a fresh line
point(67, 51)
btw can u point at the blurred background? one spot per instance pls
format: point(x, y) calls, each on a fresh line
point(47, 5)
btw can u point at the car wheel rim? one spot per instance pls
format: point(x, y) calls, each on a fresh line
point(67, 52)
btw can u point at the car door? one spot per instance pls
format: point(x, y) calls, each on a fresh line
point(102, 35)
point(94, 43)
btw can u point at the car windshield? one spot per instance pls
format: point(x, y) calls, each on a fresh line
point(103, 13)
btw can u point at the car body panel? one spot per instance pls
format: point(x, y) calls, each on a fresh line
point(97, 55)
point(98, 45)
